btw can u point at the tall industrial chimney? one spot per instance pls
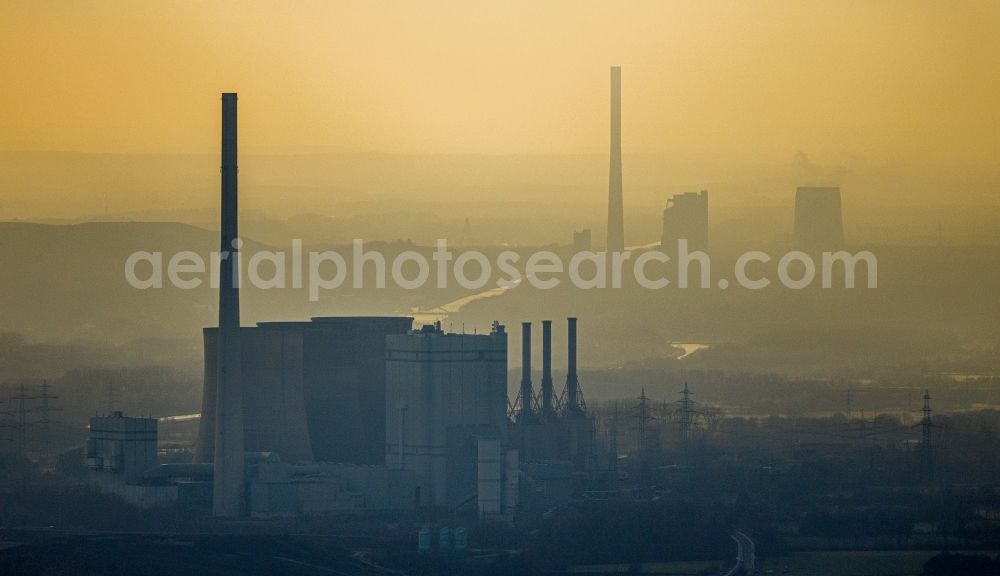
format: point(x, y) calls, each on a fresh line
point(527, 391)
point(616, 219)
point(228, 488)
point(572, 384)
point(547, 404)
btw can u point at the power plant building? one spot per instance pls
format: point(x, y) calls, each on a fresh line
point(446, 416)
point(345, 414)
point(354, 414)
point(686, 217)
point(122, 445)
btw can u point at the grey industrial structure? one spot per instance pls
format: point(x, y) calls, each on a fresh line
point(125, 446)
point(297, 411)
point(121, 457)
point(319, 394)
point(440, 412)
point(819, 223)
point(446, 414)
point(685, 218)
point(554, 434)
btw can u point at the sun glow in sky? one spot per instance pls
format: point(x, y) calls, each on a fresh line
point(741, 80)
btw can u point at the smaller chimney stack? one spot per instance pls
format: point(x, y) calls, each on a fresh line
point(572, 384)
point(527, 392)
point(547, 404)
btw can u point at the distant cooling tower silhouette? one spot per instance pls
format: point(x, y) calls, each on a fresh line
point(819, 222)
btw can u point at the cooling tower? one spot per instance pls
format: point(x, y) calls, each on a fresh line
point(819, 221)
point(314, 390)
point(273, 384)
point(345, 386)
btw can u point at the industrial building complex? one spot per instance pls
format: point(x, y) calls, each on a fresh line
point(353, 414)
point(450, 439)
point(446, 414)
point(371, 413)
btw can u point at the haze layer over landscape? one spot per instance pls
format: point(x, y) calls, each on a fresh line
point(488, 125)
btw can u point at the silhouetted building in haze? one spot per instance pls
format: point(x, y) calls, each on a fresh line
point(122, 459)
point(686, 217)
point(446, 415)
point(582, 241)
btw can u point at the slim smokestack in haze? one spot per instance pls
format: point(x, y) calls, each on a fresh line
point(616, 223)
point(547, 407)
point(527, 391)
point(228, 487)
point(572, 384)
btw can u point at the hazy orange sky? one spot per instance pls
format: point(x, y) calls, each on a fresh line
point(734, 80)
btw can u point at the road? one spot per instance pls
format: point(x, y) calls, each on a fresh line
point(746, 555)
